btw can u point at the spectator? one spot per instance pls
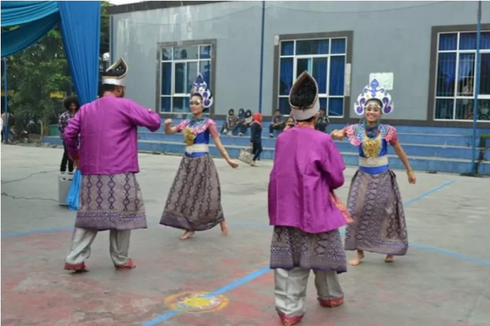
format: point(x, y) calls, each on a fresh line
point(230, 122)
point(247, 121)
point(290, 123)
point(322, 122)
point(239, 123)
point(72, 107)
point(278, 123)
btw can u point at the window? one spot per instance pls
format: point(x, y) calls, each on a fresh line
point(325, 59)
point(179, 68)
point(455, 76)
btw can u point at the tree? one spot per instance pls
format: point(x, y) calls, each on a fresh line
point(104, 27)
point(34, 75)
point(40, 71)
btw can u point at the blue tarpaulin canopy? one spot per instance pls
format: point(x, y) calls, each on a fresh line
point(80, 28)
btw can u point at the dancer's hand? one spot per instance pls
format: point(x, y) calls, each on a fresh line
point(337, 134)
point(412, 179)
point(168, 122)
point(233, 164)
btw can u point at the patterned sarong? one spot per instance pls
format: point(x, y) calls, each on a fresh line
point(111, 202)
point(194, 200)
point(376, 206)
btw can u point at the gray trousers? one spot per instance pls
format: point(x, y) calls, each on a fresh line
point(82, 240)
point(290, 289)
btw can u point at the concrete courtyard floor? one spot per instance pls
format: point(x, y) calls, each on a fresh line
point(444, 280)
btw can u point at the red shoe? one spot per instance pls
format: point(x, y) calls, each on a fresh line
point(289, 321)
point(75, 267)
point(129, 265)
point(331, 303)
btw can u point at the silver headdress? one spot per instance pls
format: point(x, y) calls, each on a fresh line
point(116, 73)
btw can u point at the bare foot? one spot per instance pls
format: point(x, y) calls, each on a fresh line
point(187, 235)
point(224, 228)
point(389, 259)
point(357, 260)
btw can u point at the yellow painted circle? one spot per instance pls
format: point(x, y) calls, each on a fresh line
point(196, 302)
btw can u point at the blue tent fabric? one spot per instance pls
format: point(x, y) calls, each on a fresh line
point(22, 12)
point(80, 27)
point(21, 38)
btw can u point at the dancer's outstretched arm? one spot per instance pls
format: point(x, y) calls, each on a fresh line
point(170, 130)
point(338, 134)
point(403, 157)
point(223, 151)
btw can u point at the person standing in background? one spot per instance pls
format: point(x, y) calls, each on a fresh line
point(71, 105)
point(256, 137)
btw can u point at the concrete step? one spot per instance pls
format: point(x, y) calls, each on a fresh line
point(419, 163)
point(411, 148)
point(421, 130)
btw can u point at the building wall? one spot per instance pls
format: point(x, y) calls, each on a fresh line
point(387, 37)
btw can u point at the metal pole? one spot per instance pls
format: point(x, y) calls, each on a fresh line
point(476, 88)
point(261, 57)
point(5, 90)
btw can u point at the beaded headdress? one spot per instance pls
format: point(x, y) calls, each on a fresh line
point(199, 86)
point(374, 91)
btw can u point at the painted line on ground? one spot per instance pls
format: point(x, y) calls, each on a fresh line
point(451, 253)
point(220, 291)
point(18, 234)
point(65, 228)
point(430, 192)
point(254, 275)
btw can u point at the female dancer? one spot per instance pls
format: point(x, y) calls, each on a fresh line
point(374, 197)
point(194, 201)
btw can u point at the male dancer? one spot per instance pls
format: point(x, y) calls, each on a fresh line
point(110, 196)
point(307, 168)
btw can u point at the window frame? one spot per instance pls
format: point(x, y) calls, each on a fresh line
point(347, 35)
point(433, 70)
point(457, 95)
point(212, 86)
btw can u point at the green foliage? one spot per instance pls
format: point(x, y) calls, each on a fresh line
point(104, 27)
point(34, 74)
point(40, 72)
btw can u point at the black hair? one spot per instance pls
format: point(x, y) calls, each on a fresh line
point(304, 95)
point(231, 111)
point(198, 95)
point(248, 113)
point(108, 88)
point(69, 100)
point(376, 100)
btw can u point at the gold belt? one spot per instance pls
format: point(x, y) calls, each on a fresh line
point(373, 162)
point(197, 148)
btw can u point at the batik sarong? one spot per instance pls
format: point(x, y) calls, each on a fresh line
point(292, 247)
point(376, 206)
point(194, 200)
point(111, 202)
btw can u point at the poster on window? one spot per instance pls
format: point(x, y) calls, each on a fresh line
point(385, 79)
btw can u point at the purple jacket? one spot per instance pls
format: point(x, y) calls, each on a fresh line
point(307, 165)
point(108, 129)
